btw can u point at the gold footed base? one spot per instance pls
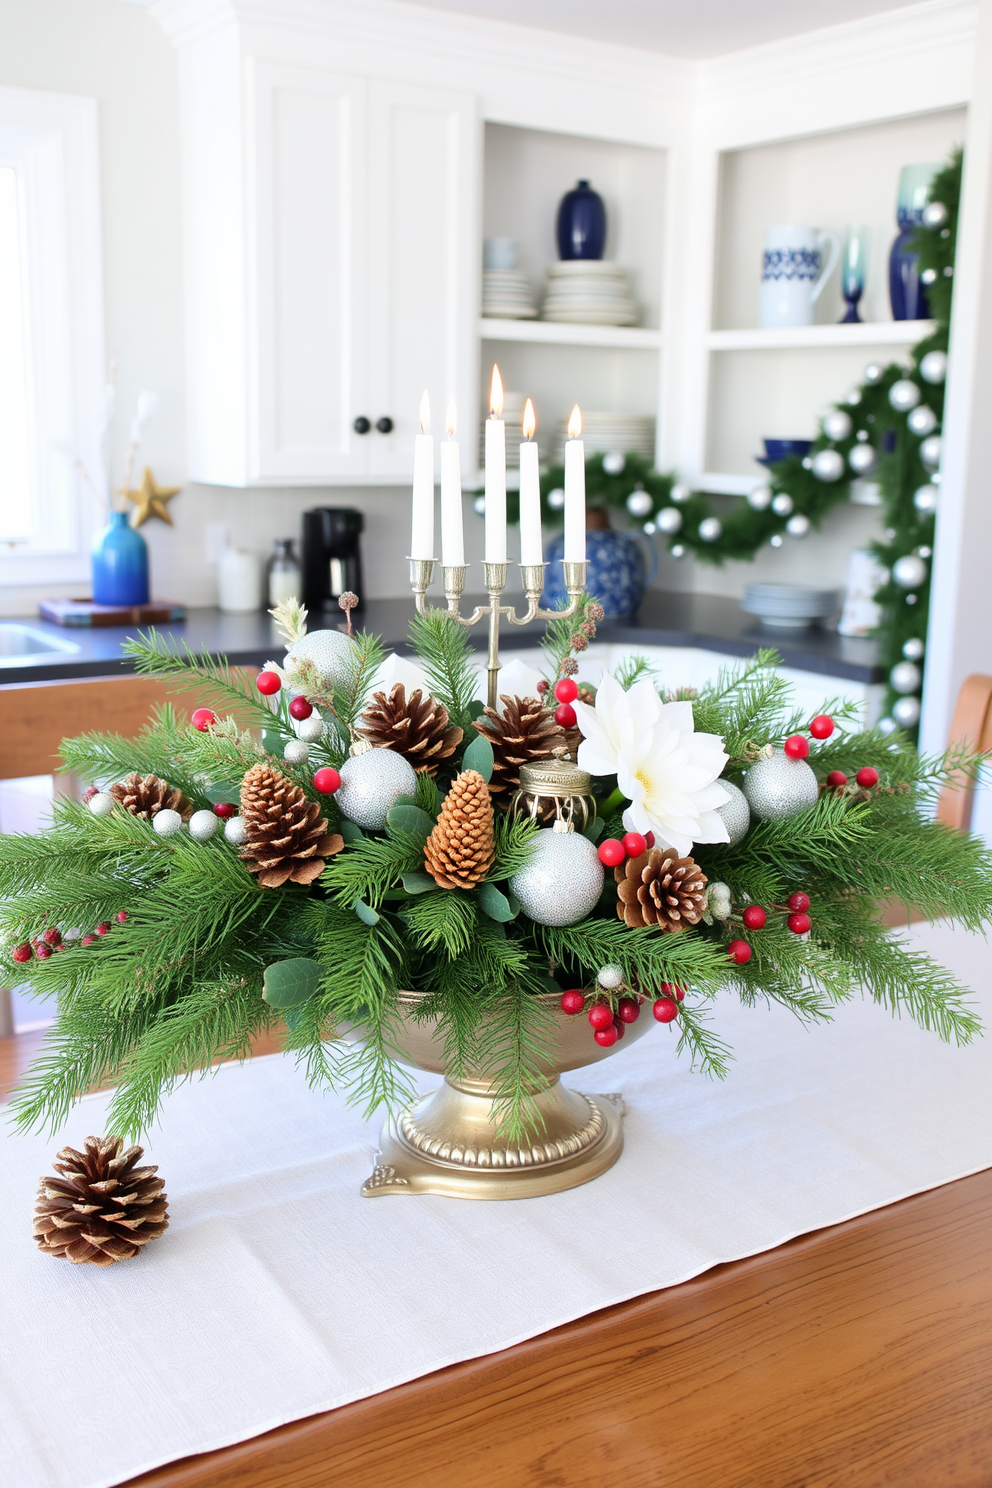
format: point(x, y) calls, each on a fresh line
point(448, 1143)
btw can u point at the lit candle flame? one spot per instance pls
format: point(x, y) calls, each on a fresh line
point(425, 414)
point(529, 424)
point(575, 423)
point(451, 419)
point(496, 393)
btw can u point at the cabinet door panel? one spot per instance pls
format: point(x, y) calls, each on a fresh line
point(308, 380)
point(424, 148)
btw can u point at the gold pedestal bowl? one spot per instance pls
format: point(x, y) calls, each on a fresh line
point(448, 1142)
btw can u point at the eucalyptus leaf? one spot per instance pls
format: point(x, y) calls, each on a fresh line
point(476, 708)
point(479, 756)
point(351, 832)
point(366, 913)
point(288, 984)
point(410, 820)
point(595, 829)
point(496, 904)
point(418, 883)
point(273, 742)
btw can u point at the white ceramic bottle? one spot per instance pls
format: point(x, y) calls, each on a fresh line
point(239, 581)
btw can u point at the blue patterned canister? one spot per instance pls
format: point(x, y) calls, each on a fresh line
point(793, 274)
point(620, 567)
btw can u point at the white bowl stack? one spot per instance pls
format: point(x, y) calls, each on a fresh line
point(507, 294)
point(790, 606)
point(513, 413)
point(613, 434)
point(589, 291)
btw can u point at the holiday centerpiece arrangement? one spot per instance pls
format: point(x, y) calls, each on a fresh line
point(397, 875)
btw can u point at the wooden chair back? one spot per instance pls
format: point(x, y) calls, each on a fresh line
point(971, 725)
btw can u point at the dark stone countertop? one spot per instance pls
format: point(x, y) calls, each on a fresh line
point(701, 620)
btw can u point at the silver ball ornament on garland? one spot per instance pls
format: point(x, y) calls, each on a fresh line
point(562, 881)
point(736, 813)
point(312, 729)
point(235, 831)
point(296, 752)
point(906, 711)
point(905, 676)
point(933, 367)
point(331, 652)
point(930, 452)
point(861, 458)
point(370, 783)
point(780, 786)
point(776, 540)
point(610, 977)
point(203, 825)
point(556, 498)
point(837, 424)
point(934, 215)
point(798, 526)
point(102, 804)
point(166, 822)
point(479, 505)
point(853, 398)
point(782, 504)
point(679, 493)
point(921, 421)
point(614, 463)
point(928, 276)
point(887, 726)
point(669, 520)
point(710, 529)
point(649, 529)
point(760, 499)
point(925, 552)
point(676, 551)
point(913, 649)
point(874, 372)
point(903, 395)
point(925, 499)
point(909, 572)
point(640, 504)
point(828, 465)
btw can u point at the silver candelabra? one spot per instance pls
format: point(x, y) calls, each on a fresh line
point(532, 574)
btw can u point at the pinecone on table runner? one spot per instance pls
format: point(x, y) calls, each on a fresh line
point(287, 838)
point(103, 1208)
point(147, 795)
point(459, 852)
point(525, 731)
point(660, 888)
point(418, 727)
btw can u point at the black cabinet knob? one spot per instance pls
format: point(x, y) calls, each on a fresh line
point(385, 425)
point(362, 425)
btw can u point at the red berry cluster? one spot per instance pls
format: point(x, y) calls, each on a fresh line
point(45, 945)
point(796, 746)
point(755, 917)
point(867, 777)
point(609, 1026)
point(614, 850)
point(566, 691)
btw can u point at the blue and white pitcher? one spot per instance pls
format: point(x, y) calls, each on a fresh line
point(793, 274)
point(618, 571)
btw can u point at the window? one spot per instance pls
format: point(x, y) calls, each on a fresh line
point(51, 334)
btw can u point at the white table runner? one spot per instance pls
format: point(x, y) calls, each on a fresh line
point(278, 1292)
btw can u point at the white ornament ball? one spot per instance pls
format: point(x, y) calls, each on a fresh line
point(925, 499)
point(202, 825)
point(887, 726)
point(933, 367)
point(669, 520)
point(296, 751)
point(903, 395)
point(861, 458)
point(311, 730)
point(736, 813)
point(874, 372)
point(479, 506)
point(928, 276)
point(610, 977)
point(710, 529)
point(853, 398)
point(331, 651)
point(934, 215)
point(837, 424)
point(102, 804)
point(614, 464)
point(236, 831)
point(678, 551)
point(930, 452)
point(828, 465)
point(370, 784)
point(913, 650)
point(782, 504)
point(718, 900)
point(779, 786)
point(649, 528)
point(906, 711)
point(556, 498)
point(679, 493)
point(166, 822)
point(760, 499)
point(922, 421)
point(906, 676)
point(797, 526)
point(640, 504)
point(776, 540)
point(563, 880)
point(910, 571)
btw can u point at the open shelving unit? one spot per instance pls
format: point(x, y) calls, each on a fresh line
point(557, 333)
point(783, 338)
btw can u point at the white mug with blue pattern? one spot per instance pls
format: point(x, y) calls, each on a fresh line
point(794, 272)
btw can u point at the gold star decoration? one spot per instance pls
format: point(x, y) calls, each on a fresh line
point(151, 498)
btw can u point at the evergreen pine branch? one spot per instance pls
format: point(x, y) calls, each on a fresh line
point(444, 650)
point(633, 669)
point(646, 956)
point(515, 1047)
point(371, 867)
point(427, 795)
point(444, 920)
point(348, 699)
point(211, 678)
point(707, 1052)
point(558, 634)
point(514, 842)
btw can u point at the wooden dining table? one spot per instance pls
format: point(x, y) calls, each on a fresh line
point(853, 1357)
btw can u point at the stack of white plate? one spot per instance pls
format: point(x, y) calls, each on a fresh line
point(790, 606)
point(507, 295)
point(613, 434)
point(589, 291)
point(513, 414)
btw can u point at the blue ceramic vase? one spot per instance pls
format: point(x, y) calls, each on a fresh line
point(620, 566)
point(119, 563)
point(581, 223)
point(907, 295)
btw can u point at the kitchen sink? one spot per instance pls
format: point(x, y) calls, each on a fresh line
point(22, 645)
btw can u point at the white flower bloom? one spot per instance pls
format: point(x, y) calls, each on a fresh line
point(668, 772)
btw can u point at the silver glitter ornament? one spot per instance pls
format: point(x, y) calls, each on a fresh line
point(760, 499)
point(909, 572)
point(933, 367)
point(903, 395)
point(928, 276)
point(828, 465)
point(874, 372)
point(649, 528)
point(853, 398)
point(836, 424)
point(203, 825)
point(166, 822)
point(861, 458)
point(736, 813)
point(102, 804)
point(930, 452)
point(913, 650)
point(296, 751)
point(556, 498)
point(782, 504)
point(797, 526)
point(678, 551)
point(905, 676)
point(710, 529)
point(718, 901)
point(311, 730)
point(887, 726)
point(779, 786)
point(330, 651)
point(562, 881)
point(925, 552)
point(669, 520)
point(922, 421)
point(640, 504)
point(934, 215)
point(906, 711)
point(370, 784)
point(610, 977)
point(236, 831)
point(614, 463)
point(679, 493)
point(925, 499)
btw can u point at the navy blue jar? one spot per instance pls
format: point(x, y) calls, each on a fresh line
point(581, 223)
point(906, 293)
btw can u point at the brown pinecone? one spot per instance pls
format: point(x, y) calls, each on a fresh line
point(525, 731)
point(660, 888)
point(287, 836)
point(147, 795)
point(418, 727)
point(104, 1208)
point(459, 852)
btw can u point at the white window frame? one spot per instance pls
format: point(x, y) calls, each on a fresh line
point(51, 140)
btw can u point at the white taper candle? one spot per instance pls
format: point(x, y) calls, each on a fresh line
point(495, 475)
point(452, 527)
point(575, 491)
point(531, 543)
point(422, 531)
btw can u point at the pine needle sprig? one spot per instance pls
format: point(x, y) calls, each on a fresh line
point(211, 678)
point(349, 699)
point(707, 1052)
point(514, 842)
point(560, 632)
point(633, 669)
point(444, 650)
point(446, 920)
point(372, 867)
point(515, 1048)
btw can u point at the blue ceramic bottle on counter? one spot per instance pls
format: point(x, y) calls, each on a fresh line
point(617, 572)
point(119, 564)
point(581, 223)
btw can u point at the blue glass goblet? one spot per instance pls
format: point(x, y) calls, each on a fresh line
point(852, 272)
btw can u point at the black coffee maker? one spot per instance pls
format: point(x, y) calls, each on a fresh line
point(331, 556)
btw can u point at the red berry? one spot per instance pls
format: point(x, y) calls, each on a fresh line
point(89, 793)
point(52, 937)
point(606, 1037)
point(796, 747)
point(611, 852)
point(103, 928)
point(822, 726)
point(754, 917)
point(799, 900)
point(669, 989)
point(799, 922)
point(42, 951)
point(121, 917)
point(567, 690)
point(224, 809)
point(836, 779)
point(665, 1009)
point(649, 839)
point(542, 687)
point(87, 940)
point(203, 719)
point(867, 777)
point(326, 780)
point(620, 1027)
point(739, 951)
point(634, 844)
point(629, 1009)
point(565, 716)
point(22, 952)
point(573, 1002)
point(268, 682)
point(600, 1015)
point(299, 709)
